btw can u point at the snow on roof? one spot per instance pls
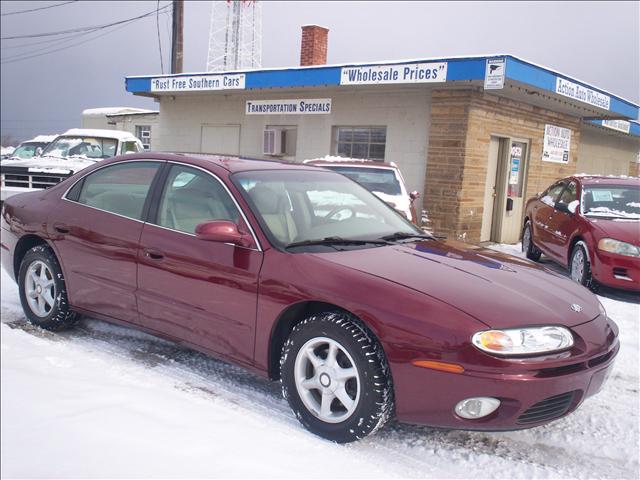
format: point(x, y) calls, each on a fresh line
point(364, 161)
point(93, 132)
point(43, 138)
point(98, 112)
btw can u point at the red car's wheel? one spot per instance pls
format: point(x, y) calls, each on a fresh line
point(42, 290)
point(335, 377)
point(580, 267)
point(530, 250)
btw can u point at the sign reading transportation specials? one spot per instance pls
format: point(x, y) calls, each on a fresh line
point(193, 83)
point(556, 144)
point(305, 106)
point(582, 94)
point(494, 74)
point(383, 74)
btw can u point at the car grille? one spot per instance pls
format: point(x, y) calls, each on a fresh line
point(27, 180)
point(552, 407)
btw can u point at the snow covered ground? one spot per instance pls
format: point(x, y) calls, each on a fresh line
point(105, 401)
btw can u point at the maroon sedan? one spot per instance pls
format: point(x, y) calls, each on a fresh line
point(590, 224)
point(302, 275)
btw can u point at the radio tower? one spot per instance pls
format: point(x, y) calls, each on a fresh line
point(235, 36)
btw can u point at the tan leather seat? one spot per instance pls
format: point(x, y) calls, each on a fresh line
point(274, 208)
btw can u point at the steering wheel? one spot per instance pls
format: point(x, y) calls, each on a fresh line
point(340, 209)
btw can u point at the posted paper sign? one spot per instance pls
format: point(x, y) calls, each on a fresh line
point(194, 83)
point(384, 74)
point(556, 144)
point(303, 106)
point(494, 74)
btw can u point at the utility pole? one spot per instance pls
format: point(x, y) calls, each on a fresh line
point(176, 36)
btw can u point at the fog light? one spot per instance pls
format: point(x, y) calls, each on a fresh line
point(477, 407)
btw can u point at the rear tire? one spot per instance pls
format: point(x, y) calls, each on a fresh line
point(43, 291)
point(580, 267)
point(341, 396)
point(530, 250)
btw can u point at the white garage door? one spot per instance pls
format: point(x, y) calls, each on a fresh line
point(223, 139)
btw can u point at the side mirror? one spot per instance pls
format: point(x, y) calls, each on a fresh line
point(564, 208)
point(414, 195)
point(573, 206)
point(222, 231)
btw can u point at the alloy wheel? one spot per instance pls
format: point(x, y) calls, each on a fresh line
point(577, 266)
point(327, 379)
point(40, 288)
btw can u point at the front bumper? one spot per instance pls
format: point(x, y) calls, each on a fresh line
point(617, 271)
point(527, 396)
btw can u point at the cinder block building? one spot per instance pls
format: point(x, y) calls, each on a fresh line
point(476, 136)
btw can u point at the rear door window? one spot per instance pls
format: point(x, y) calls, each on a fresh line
point(121, 189)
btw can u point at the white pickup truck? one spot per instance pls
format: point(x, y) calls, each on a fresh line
point(68, 153)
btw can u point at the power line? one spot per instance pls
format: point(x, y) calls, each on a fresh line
point(36, 9)
point(33, 54)
point(83, 29)
point(159, 42)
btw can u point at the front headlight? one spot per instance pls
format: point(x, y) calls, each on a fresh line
point(616, 246)
point(524, 341)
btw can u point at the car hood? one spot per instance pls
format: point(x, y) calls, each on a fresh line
point(50, 164)
point(625, 230)
point(497, 289)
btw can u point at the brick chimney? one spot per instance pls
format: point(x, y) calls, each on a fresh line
point(313, 50)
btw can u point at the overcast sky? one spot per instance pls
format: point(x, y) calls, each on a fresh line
point(592, 41)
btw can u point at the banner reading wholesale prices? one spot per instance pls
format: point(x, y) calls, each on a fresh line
point(556, 144)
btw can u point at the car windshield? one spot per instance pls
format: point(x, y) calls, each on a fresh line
point(612, 201)
point(27, 150)
point(89, 147)
point(382, 180)
point(296, 206)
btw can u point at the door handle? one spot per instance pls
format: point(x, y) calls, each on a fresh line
point(58, 227)
point(153, 254)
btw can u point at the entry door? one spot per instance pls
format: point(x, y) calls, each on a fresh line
point(510, 184)
point(223, 139)
point(490, 193)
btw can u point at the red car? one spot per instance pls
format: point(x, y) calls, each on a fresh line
point(302, 275)
point(590, 224)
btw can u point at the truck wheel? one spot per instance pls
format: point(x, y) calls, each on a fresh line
point(335, 376)
point(42, 290)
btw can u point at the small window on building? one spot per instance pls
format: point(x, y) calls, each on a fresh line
point(143, 132)
point(360, 142)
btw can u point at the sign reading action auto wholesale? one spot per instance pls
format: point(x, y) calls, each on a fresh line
point(304, 106)
point(382, 74)
point(556, 144)
point(193, 83)
point(582, 94)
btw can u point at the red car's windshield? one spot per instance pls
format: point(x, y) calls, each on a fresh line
point(612, 201)
point(301, 205)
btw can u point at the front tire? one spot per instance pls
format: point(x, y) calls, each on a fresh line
point(580, 267)
point(43, 291)
point(335, 377)
point(530, 250)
